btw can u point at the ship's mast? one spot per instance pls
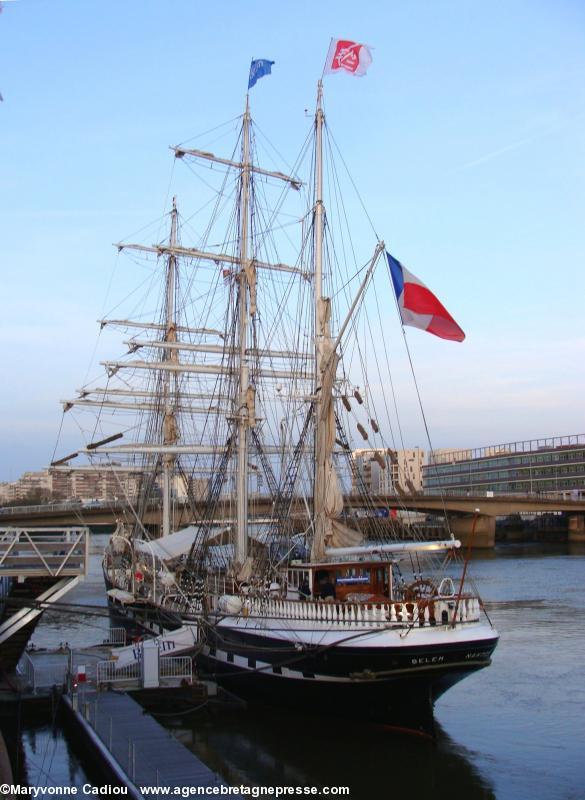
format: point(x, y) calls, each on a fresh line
point(243, 416)
point(320, 321)
point(242, 411)
point(170, 431)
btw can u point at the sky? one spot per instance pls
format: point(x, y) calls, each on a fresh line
point(466, 138)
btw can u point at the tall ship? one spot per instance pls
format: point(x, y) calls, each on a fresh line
point(256, 360)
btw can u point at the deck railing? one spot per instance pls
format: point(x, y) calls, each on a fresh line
point(116, 637)
point(421, 613)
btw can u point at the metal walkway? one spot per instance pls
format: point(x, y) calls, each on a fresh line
point(143, 751)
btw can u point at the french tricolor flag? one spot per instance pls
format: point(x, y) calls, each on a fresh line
point(419, 307)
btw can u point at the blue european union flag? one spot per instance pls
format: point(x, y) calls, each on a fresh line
point(258, 69)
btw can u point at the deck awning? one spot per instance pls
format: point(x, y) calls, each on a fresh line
point(177, 544)
point(169, 547)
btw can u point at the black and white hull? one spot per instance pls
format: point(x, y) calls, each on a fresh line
point(386, 663)
point(378, 670)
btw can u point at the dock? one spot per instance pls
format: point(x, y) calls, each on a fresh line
point(93, 687)
point(131, 744)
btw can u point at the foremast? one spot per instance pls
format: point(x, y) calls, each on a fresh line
point(237, 360)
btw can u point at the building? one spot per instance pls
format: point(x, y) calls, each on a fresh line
point(95, 484)
point(107, 483)
point(555, 465)
point(30, 485)
point(386, 471)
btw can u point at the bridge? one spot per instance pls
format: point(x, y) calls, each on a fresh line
point(463, 511)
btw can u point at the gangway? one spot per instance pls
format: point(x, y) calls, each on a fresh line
point(38, 566)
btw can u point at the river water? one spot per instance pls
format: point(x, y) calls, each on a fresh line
point(515, 730)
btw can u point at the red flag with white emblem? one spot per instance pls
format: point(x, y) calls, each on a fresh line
point(346, 56)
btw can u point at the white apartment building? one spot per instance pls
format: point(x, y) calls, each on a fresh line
point(386, 471)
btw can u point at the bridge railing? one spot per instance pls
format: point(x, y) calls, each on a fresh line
point(39, 509)
point(44, 552)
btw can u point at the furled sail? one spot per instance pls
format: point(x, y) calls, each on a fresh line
point(329, 531)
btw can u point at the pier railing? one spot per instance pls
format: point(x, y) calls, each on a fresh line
point(178, 667)
point(175, 668)
point(40, 676)
point(420, 613)
point(107, 672)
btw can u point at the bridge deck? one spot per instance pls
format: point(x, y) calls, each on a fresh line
point(107, 512)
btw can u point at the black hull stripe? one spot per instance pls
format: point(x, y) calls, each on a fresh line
point(239, 664)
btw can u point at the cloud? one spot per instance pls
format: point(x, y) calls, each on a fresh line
point(493, 154)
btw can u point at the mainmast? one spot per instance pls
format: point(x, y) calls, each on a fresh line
point(327, 496)
point(170, 429)
point(247, 280)
point(320, 326)
point(319, 208)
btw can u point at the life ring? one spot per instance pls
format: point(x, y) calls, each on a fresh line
point(446, 587)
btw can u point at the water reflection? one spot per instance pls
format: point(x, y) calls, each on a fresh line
point(265, 747)
point(82, 617)
point(521, 720)
point(521, 549)
point(47, 758)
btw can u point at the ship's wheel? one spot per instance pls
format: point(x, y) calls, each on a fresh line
point(422, 589)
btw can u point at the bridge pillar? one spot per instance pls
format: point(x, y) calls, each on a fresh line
point(577, 528)
point(485, 530)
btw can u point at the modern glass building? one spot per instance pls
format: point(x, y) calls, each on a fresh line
point(543, 466)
